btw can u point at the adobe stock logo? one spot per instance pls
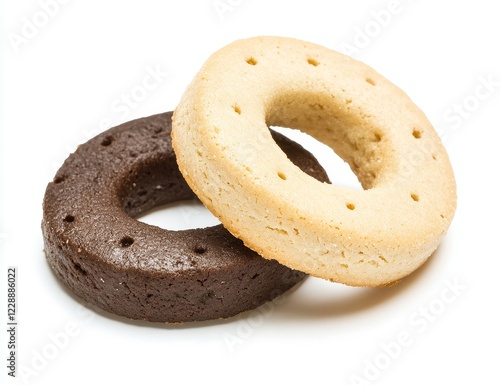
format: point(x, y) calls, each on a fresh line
point(31, 26)
point(418, 322)
point(379, 20)
point(222, 7)
point(484, 89)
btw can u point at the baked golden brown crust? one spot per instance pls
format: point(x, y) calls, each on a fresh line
point(366, 238)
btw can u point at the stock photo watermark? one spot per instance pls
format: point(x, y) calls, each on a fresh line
point(55, 344)
point(225, 7)
point(127, 101)
point(32, 25)
point(378, 21)
point(418, 322)
point(12, 331)
point(153, 76)
point(246, 327)
point(485, 88)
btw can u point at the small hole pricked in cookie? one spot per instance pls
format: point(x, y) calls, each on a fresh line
point(252, 61)
point(107, 141)
point(200, 249)
point(237, 109)
point(126, 242)
point(313, 62)
point(281, 175)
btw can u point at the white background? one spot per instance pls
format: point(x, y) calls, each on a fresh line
point(62, 81)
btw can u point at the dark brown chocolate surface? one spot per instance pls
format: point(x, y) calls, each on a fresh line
point(108, 258)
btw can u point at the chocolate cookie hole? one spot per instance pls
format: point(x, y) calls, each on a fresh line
point(59, 179)
point(69, 218)
point(79, 268)
point(251, 61)
point(313, 62)
point(126, 242)
point(107, 141)
point(200, 249)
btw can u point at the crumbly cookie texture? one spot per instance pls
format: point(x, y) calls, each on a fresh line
point(363, 238)
point(105, 256)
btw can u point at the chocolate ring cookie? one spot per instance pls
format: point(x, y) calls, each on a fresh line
point(362, 238)
point(108, 258)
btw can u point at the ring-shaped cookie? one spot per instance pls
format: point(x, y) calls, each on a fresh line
point(130, 268)
point(368, 237)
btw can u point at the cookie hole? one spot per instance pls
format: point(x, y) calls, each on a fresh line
point(348, 101)
point(350, 206)
point(441, 215)
point(415, 197)
point(107, 141)
point(282, 175)
point(200, 249)
point(251, 61)
point(180, 215)
point(370, 81)
point(434, 156)
point(69, 218)
point(313, 62)
point(237, 109)
point(417, 134)
point(126, 242)
point(79, 268)
point(59, 179)
point(376, 137)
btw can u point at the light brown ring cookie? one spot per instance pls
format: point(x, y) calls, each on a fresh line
point(366, 238)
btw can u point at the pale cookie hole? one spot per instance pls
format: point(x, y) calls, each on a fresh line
point(417, 134)
point(350, 206)
point(376, 137)
point(251, 61)
point(415, 197)
point(313, 62)
point(370, 81)
point(237, 109)
point(282, 175)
